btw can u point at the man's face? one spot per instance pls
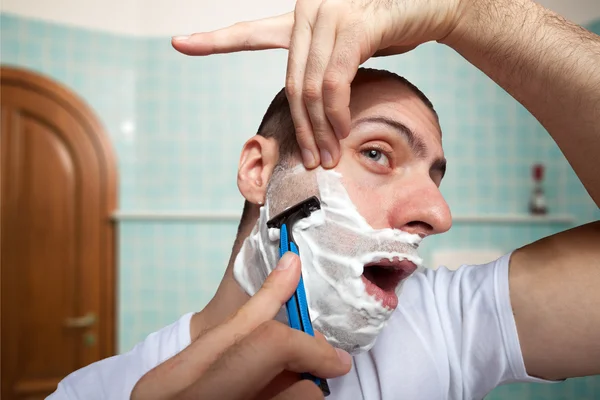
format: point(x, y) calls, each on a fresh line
point(392, 162)
point(376, 206)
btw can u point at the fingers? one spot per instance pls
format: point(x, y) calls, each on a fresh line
point(274, 293)
point(324, 55)
point(322, 45)
point(337, 81)
point(319, 74)
point(270, 349)
point(321, 66)
point(305, 15)
point(262, 34)
point(188, 366)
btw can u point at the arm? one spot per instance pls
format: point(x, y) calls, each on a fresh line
point(549, 65)
point(553, 68)
point(555, 295)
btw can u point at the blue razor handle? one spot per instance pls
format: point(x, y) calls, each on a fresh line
point(297, 306)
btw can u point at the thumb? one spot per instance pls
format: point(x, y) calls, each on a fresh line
point(183, 369)
point(275, 291)
point(282, 282)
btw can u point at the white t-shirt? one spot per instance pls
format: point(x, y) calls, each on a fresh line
point(453, 336)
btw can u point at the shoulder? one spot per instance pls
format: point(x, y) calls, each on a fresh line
point(115, 377)
point(448, 334)
point(447, 291)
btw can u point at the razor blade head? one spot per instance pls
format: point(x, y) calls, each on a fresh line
point(295, 212)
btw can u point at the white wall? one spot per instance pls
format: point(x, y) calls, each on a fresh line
point(173, 17)
point(108, 15)
point(147, 17)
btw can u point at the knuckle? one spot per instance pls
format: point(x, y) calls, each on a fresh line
point(332, 81)
point(272, 332)
point(306, 139)
point(335, 110)
point(303, 134)
point(332, 110)
point(323, 134)
point(277, 337)
point(312, 91)
point(292, 88)
point(324, 141)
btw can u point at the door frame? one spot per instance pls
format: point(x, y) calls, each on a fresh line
point(108, 175)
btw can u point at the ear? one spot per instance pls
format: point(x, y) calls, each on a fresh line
point(257, 161)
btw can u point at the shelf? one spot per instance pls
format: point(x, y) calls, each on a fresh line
point(514, 218)
point(210, 216)
point(214, 216)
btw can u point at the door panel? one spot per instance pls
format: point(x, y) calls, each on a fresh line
point(58, 192)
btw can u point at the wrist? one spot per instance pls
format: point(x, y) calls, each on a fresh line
point(479, 20)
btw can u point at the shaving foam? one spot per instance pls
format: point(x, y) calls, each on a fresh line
point(335, 244)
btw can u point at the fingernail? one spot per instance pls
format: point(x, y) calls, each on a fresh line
point(326, 159)
point(285, 261)
point(343, 356)
point(308, 158)
point(180, 38)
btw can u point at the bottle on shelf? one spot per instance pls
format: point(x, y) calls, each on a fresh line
point(537, 203)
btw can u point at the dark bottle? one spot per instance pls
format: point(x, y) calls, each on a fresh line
point(537, 203)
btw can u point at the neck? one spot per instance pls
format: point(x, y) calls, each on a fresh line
point(228, 299)
point(229, 296)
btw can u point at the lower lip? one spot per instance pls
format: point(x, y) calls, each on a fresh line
point(388, 299)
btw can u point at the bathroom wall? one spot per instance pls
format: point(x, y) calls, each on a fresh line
point(178, 124)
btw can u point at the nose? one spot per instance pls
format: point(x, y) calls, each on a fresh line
point(420, 208)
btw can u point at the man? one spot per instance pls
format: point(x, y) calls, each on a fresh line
point(453, 334)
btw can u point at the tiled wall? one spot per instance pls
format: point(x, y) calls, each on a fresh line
point(178, 124)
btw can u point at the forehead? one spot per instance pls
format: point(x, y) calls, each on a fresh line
point(392, 99)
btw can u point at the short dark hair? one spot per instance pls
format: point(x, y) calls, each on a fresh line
point(277, 122)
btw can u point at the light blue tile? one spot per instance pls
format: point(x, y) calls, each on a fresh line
point(594, 26)
point(192, 116)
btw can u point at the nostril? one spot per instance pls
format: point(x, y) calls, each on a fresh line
point(420, 227)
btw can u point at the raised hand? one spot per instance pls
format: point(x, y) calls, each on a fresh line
point(327, 42)
point(250, 354)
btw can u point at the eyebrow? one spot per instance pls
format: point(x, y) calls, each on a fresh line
point(415, 142)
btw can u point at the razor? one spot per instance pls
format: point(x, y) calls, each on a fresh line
point(297, 306)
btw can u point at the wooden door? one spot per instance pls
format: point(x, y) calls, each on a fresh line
point(57, 248)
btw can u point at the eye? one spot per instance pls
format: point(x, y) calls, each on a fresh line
point(377, 156)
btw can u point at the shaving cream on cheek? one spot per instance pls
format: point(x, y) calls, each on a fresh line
point(335, 244)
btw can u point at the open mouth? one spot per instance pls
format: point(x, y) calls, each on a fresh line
point(381, 279)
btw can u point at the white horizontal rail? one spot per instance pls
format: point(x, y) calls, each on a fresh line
point(515, 218)
point(209, 216)
point(213, 216)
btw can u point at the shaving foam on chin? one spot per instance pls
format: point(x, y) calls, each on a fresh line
point(335, 243)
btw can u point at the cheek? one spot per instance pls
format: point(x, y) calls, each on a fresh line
point(369, 200)
point(366, 191)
